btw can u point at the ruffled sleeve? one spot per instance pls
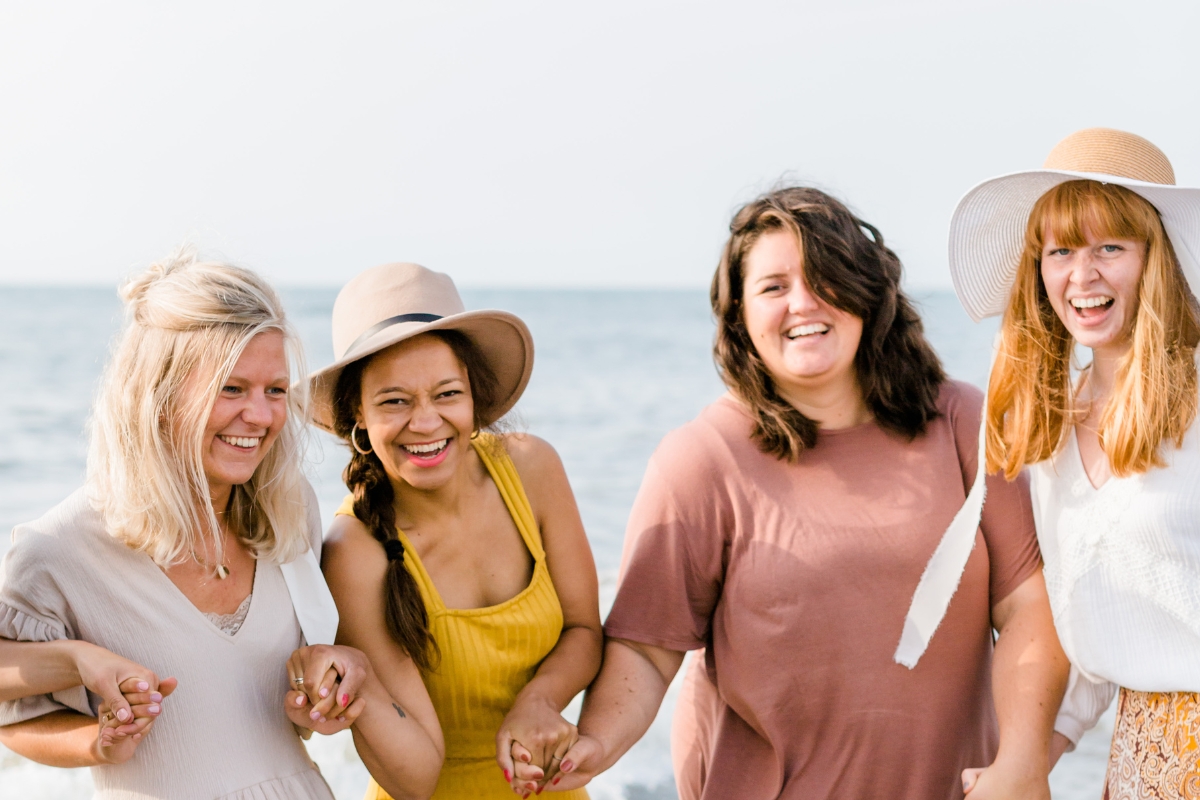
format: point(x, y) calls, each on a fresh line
point(34, 609)
point(1082, 705)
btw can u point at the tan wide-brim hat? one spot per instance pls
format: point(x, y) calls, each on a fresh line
point(987, 231)
point(390, 303)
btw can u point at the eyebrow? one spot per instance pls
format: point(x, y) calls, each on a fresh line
point(403, 390)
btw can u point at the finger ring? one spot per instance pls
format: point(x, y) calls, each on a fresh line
point(555, 758)
point(106, 717)
point(298, 681)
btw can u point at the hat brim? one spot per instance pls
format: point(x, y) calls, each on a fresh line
point(987, 231)
point(501, 337)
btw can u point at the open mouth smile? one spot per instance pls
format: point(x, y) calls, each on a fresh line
point(241, 442)
point(801, 331)
point(1089, 307)
point(427, 454)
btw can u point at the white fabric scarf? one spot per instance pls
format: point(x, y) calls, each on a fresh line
point(315, 609)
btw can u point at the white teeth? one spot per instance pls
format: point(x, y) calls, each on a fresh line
point(807, 330)
point(423, 449)
point(1090, 302)
point(242, 441)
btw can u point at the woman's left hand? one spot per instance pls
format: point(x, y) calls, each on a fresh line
point(324, 681)
point(998, 782)
point(531, 744)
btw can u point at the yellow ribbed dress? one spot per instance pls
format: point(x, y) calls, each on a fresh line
point(487, 654)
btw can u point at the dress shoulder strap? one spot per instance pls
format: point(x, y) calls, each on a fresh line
point(504, 474)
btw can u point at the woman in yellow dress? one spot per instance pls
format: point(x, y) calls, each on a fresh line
point(460, 552)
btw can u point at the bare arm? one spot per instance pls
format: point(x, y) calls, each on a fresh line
point(397, 734)
point(534, 720)
point(619, 707)
point(32, 668)
point(1029, 675)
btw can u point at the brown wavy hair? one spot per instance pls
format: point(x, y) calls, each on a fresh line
point(847, 264)
point(1030, 398)
point(375, 499)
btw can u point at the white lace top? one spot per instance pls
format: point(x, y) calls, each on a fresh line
point(1123, 574)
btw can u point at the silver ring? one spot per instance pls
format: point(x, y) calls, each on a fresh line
point(297, 681)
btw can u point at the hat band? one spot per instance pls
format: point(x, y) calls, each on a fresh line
point(387, 323)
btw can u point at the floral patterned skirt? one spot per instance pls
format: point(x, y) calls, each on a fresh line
point(1155, 748)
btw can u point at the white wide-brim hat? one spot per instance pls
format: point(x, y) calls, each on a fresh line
point(387, 304)
point(987, 231)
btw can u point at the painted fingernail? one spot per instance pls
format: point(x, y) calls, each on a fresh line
point(314, 715)
point(507, 776)
point(567, 766)
point(155, 697)
point(324, 692)
point(154, 709)
point(341, 719)
point(300, 700)
point(137, 737)
point(345, 699)
point(122, 715)
point(556, 780)
point(142, 686)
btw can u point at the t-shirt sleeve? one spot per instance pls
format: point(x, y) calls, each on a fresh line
point(34, 609)
point(1007, 523)
point(673, 562)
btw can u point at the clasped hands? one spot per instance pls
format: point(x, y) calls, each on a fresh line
point(537, 749)
point(324, 681)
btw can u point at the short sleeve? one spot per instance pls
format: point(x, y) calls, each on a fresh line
point(33, 609)
point(673, 562)
point(1007, 524)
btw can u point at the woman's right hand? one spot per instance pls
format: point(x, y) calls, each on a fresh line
point(103, 673)
point(116, 742)
point(324, 681)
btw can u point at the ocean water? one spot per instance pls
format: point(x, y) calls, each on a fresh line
point(614, 372)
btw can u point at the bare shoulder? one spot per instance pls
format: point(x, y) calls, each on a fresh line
point(350, 549)
point(531, 454)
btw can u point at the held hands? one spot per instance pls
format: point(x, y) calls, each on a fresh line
point(121, 731)
point(324, 681)
point(532, 746)
point(1002, 782)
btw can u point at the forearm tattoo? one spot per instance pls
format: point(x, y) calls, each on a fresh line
point(400, 711)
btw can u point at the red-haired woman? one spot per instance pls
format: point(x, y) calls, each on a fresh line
point(783, 532)
point(1114, 455)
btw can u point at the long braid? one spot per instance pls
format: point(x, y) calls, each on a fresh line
point(374, 506)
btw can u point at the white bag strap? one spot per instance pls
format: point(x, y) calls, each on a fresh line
point(945, 568)
point(315, 609)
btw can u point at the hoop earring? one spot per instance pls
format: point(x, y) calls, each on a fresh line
point(354, 442)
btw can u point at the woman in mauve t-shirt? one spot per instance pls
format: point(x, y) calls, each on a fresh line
point(782, 534)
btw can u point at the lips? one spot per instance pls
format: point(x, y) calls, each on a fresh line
point(241, 442)
point(1091, 307)
point(427, 454)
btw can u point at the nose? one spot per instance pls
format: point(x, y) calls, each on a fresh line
point(802, 299)
point(1084, 267)
point(257, 411)
point(425, 418)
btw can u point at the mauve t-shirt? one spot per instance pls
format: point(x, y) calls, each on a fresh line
point(795, 579)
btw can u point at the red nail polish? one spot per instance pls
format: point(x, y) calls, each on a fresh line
point(345, 699)
point(567, 766)
point(507, 776)
point(556, 780)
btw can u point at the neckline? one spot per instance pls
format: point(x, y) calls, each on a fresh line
point(538, 563)
point(1077, 455)
point(254, 591)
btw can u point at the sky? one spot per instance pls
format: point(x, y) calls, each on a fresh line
point(543, 143)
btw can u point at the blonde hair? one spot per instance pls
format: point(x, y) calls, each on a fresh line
point(1030, 399)
point(187, 323)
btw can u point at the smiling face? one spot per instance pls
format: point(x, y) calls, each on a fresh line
point(250, 410)
point(806, 343)
point(417, 411)
point(1093, 288)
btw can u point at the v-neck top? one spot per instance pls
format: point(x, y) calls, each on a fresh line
point(488, 654)
point(1122, 568)
point(223, 733)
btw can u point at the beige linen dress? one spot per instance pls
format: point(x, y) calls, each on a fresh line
point(223, 734)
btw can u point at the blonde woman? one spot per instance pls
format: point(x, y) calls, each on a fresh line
point(192, 550)
point(1107, 253)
